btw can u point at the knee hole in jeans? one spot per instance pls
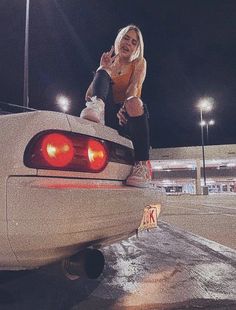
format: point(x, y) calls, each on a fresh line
point(134, 106)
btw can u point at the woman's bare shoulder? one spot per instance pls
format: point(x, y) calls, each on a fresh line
point(140, 64)
point(140, 61)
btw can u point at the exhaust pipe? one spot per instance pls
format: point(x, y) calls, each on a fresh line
point(88, 263)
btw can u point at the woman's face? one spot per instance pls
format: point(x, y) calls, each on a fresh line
point(128, 44)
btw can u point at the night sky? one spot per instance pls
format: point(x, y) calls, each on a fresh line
point(190, 48)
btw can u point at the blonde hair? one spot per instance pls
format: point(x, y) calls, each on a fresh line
point(140, 49)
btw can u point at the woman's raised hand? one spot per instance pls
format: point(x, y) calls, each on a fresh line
point(107, 59)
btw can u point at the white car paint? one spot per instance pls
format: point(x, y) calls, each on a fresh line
point(47, 215)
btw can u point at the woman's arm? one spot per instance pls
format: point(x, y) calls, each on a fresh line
point(105, 63)
point(136, 82)
point(137, 78)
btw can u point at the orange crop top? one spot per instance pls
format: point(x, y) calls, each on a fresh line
point(121, 84)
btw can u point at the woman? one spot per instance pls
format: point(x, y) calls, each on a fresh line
point(114, 94)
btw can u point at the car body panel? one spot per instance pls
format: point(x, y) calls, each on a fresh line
point(47, 215)
point(96, 130)
point(56, 218)
point(7, 256)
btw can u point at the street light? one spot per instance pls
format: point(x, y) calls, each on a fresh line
point(205, 105)
point(207, 124)
point(63, 102)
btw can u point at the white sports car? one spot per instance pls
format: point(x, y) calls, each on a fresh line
point(62, 191)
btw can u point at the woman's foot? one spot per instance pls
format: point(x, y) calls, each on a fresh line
point(140, 175)
point(94, 110)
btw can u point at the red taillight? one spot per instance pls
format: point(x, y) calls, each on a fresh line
point(97, 154)
point(57, 150)
point(66, 151)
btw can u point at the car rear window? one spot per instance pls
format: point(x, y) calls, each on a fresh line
point(9, 108)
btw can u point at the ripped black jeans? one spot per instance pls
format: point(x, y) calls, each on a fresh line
point(136, 128)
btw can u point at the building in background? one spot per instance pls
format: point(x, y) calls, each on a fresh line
point(180, 169)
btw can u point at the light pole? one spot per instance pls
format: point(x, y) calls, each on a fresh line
point(26, 58)
point(205, 104)
point(209, 123)
point(203, 151)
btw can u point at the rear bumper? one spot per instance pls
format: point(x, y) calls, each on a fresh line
point(51, 218)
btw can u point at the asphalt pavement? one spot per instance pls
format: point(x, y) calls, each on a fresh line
point(166, 268)
point(212, 217)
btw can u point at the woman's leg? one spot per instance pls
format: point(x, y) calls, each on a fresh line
point(138, 128)
point(101, 86)
point(101, 90)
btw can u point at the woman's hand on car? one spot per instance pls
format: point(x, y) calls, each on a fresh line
point(122, 116)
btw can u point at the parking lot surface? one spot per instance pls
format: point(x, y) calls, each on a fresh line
point(166, 268)
point(212, 217)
